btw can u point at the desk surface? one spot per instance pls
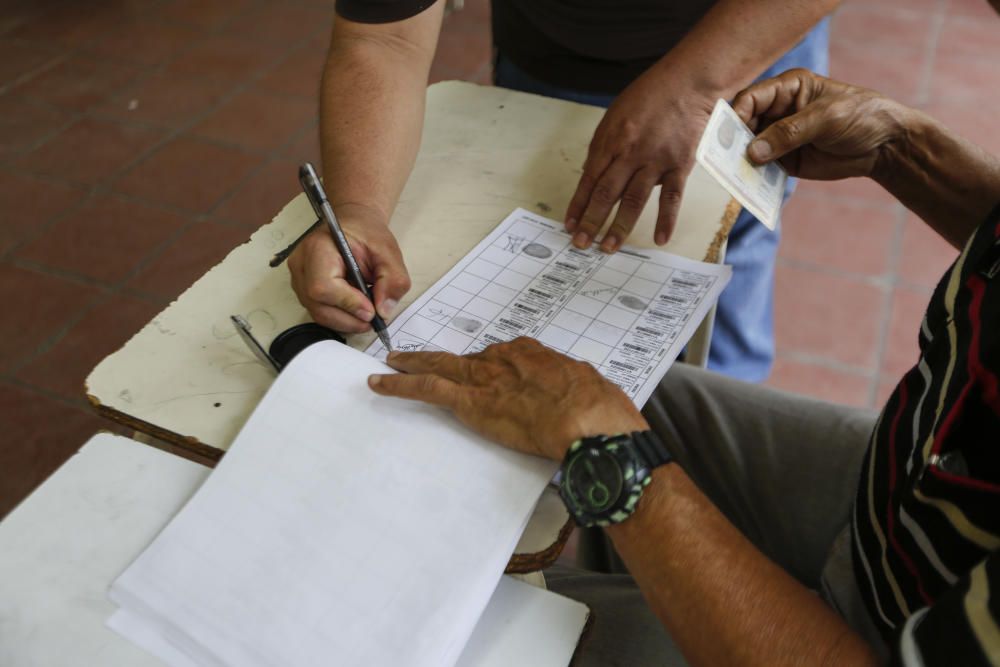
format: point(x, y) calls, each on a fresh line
point(188, 379)
point(64, 545)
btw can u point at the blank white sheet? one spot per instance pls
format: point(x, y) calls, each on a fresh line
point(341, 528)
point(522, 625)
point(525, 625)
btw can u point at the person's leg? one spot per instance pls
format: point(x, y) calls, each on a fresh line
point(743, 337)
point(783, 468)
point(622, 629)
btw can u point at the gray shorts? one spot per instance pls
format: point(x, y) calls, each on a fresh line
point(783, 468)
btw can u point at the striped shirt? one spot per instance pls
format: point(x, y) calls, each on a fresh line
point(926, 522)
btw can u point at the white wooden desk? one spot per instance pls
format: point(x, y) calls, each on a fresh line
point(64, 545)
point(187, 378)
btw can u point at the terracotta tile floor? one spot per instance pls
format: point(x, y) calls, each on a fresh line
point(142, 139)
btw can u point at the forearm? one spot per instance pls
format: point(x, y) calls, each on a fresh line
point(723, 602)
point(371, 113)
point(737, 40)
point(949, 182)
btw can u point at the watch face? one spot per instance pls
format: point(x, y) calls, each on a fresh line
point(595, 479)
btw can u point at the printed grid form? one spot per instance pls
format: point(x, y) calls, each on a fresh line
point(627, 314)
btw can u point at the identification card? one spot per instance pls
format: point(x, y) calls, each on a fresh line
point(723, 153)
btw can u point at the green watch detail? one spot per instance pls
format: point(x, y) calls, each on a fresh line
point(603, 477)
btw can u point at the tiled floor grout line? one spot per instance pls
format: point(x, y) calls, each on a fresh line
point(31, 74)
point(105, 188)
point(881, 281)
point(108, 293)
point(53, 339)
point(885, 323)
point(146, 73)
point(937, 25)
point(81, 403)
point(888, 298)
point(826, 362)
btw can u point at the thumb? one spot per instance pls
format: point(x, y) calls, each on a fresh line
point(392, 282)
point(786, 135)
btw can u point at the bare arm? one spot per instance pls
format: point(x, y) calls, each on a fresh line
point(371, 117)
point(737, 40)
point(951, 183)
point(372, 108)
point(723, 601)
point(649, 135)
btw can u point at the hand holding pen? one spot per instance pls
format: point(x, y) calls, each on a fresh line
point(321, 277)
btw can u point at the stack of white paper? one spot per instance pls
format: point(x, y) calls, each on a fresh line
point(341, 528)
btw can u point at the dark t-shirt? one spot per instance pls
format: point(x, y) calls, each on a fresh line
point(596, 46)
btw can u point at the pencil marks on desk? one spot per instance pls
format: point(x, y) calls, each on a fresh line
point(261, 322)
point(206, 394)
point(162, 328)
point(275, 239)
point(238, 365)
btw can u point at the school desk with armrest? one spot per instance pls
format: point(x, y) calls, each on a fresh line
point(189, 380)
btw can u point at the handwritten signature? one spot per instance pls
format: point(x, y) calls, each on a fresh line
point(514, 243)
point(438, 314)
point(598, 292)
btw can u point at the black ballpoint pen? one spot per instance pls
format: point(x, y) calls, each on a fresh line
point(321, 205)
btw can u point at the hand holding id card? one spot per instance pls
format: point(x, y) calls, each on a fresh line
point(723, 153)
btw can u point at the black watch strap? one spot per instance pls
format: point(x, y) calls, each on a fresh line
point(651, 449)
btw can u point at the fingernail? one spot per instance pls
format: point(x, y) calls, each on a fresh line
point(660, 239)
point(760, 150)
point(610, 244)
point(571, 224)
point(374, 380)
point(388, 308)
point(391, 356)
point(581, 240)
point(363, 314)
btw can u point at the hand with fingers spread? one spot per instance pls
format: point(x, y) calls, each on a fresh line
point(819, 128)
point(648, 137)
point(320, 282)
point(520, 394)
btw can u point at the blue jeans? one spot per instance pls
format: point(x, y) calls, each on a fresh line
point(743, 338)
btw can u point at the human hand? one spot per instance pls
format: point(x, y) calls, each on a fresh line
point(319, 279)
point(648, 137)
point(520, 394)
point(819, 128)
